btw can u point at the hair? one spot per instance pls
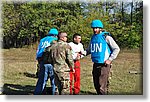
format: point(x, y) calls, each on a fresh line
point(61, 34)
point(75, 35)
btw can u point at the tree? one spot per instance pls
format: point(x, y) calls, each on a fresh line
point(25, 21)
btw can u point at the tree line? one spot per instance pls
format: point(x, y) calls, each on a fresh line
point(25, 23)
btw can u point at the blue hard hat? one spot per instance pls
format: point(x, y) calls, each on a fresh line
point(53, 31)
point(96, 24)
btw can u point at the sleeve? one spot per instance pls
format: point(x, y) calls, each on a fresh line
point(83, 52)
point(69, 58)
point(37, 52)
point(115, 48)
point(88, 50)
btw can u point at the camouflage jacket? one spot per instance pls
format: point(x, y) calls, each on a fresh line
point(61, 56)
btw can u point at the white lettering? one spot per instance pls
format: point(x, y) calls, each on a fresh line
point(45, 44)
point(96, 47)
point(92, 48)
point(99, 47)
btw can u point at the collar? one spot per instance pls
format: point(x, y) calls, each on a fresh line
point(75, 43)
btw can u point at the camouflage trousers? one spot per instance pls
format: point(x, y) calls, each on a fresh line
point(62, 81)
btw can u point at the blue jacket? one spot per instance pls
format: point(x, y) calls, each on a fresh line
point(100, 50)
point(44, 42)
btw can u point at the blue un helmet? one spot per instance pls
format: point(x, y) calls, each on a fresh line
point(96, 24)
point(53, 31)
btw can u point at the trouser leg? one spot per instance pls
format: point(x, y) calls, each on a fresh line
point(77, 77)
point(37, 70)
point(57, 82)
point(62, 80)
point(65, 87)
point(65, 83)
point(104, 79)
point(100, 77)
point(39, 86)
point(96, 74)
point(77, 81)
point(71, 80)
point(52, 79)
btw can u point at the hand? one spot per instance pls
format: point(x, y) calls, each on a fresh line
point(73, 71)
point(78, 56)
point(108, 62)
point(83, 53)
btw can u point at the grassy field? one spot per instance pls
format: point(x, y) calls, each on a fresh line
point(20, 67)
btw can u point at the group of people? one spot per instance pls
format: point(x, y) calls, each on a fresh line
point(60, 60)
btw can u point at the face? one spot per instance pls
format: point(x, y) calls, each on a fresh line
point(96, 30)
point(65, 38)
point(77, 39)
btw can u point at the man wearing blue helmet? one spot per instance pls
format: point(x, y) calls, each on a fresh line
point(45, 69)
point(103, 50)
point(45, 42)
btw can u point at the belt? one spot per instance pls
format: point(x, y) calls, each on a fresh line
point(99, 63)
point(75, 60)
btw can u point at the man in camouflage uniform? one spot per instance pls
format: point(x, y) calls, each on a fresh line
point(62, 61)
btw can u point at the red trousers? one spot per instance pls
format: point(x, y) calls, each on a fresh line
point(76, 78)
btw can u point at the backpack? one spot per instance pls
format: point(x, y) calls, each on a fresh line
point(47, 59)
point(107, 34)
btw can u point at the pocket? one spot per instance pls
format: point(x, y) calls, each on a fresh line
point(77, 64)
point(108, 65)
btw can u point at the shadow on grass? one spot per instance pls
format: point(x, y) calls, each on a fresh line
point(86, 93)
point(11, 89)
point(31, 75)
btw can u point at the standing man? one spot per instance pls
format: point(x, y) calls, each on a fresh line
point(103, 51)
point(45, 42)
point(77, 53)
point(62, 61)
point(46, 67)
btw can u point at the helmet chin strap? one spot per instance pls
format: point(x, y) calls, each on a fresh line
point(101, 31)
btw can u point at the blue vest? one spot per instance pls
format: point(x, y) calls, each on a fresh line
point(44, 42)
point(100, 50)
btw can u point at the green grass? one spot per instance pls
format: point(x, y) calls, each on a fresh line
point(20, 67)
